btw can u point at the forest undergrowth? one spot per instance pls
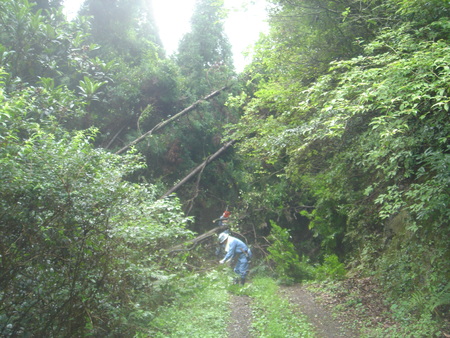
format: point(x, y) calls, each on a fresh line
point(351, 307)
point(205, 311)
point(289, 296)
point(334, 163)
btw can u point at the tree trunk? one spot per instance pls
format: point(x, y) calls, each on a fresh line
point(191, 244)
point(164, 123)
point(199, 168)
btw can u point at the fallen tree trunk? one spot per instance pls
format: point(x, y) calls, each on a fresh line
point(165, 122)
point(191, 244)
point(199, 168)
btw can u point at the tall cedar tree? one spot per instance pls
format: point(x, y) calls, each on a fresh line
point(204, 54)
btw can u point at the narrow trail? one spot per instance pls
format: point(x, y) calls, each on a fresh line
point(323, 322)
point(303, 301)
point(241, 317)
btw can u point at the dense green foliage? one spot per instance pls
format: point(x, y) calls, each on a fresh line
point(81, 247)
point(205, 62)
point(342, 131)
point(361, 134)
point(79, 239)
point(283, 255)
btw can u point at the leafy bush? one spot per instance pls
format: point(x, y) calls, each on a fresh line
point(282, 254)
point(414, 277)
point(331, 268)
point(82, 248)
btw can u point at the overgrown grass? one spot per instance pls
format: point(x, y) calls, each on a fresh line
point(202, 312)
point(273, 316)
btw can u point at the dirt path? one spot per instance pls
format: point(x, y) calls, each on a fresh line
point(303, 301)
point(241, 317)
point(326, 326)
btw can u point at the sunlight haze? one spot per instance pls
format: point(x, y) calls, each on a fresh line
point(245, 22)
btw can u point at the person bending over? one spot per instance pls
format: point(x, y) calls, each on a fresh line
point(236, 248)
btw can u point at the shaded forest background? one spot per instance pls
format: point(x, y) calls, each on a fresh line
point(340, 131)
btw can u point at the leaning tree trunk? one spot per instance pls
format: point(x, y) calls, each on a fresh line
point(191, 244)
point(164, 123)
point(199, 168)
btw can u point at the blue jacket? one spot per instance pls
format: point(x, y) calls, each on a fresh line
point(236, 247)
